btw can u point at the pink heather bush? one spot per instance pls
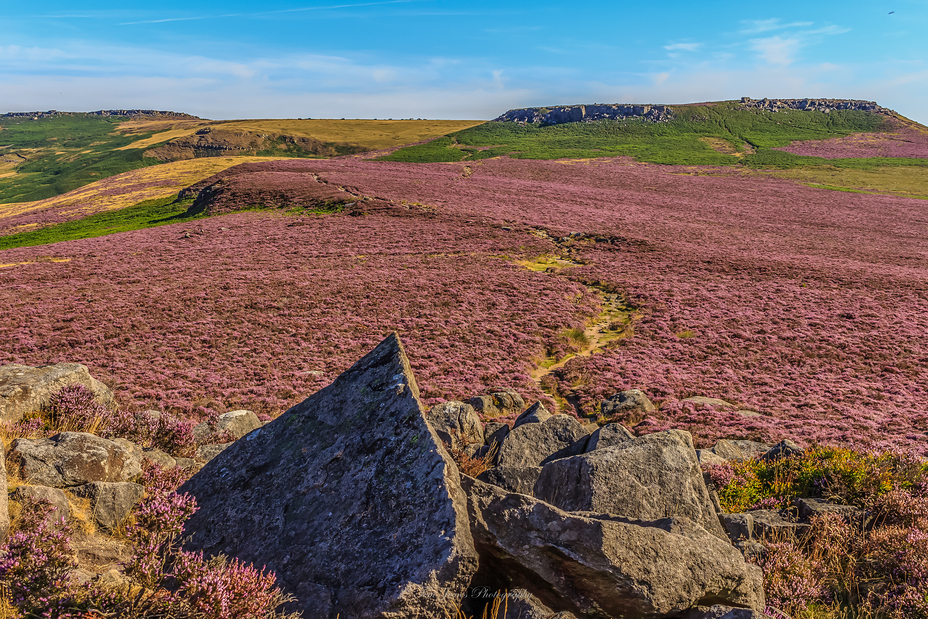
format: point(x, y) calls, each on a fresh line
point(159, 522)
point(36, 557)
point(230, 590)
point(903, 141)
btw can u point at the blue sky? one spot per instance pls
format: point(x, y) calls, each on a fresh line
point(451, 59)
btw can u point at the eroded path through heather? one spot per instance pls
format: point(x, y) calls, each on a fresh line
point(613, 323)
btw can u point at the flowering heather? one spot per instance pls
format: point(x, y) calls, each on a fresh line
point(803, 304)
point(904, 141)
point(36, 557)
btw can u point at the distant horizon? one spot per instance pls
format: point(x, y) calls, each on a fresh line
point(416, 118)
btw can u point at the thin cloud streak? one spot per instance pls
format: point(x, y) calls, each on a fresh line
point(263, 13)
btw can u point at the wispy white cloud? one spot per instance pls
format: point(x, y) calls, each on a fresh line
point(757, 26)
point(777, 50)
point(686, 47)
point(330, 7)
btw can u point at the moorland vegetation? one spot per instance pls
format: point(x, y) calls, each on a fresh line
point(568, 262)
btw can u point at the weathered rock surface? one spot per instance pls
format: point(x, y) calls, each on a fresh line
point(238, 423)
point(728, 450)
point(162, 459)
point(72, 459)
point(586, 113)
point(597, 565)
point(632, 404)
point(536, 413)
point(771, 525)
point(816, 105)
point(608, 436)
point(205, 453)
point(809, 508)
point(520, 480)
point(739, 527)
point(706, 401)
point(57, 498)
point(348, 497)
point(24, 389)
point(723, 612)
point(783, 449)
point(499, 404)
point(111, 502)
point(751, 449)
point(651, 477)
point(531, 443)
point(457, 424)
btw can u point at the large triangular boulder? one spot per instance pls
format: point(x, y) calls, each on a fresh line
point(25, 389)
point(348, 497)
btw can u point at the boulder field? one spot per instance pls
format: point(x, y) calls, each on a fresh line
point(352, 498)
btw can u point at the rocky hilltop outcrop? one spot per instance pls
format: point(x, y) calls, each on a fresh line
point(586, 113)
point(811, 105)
point(218, 142)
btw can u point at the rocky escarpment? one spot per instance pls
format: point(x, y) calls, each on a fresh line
point(586, 113)
point(811, 105)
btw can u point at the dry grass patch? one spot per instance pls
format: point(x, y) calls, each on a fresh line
point(372, 134)
point(908, 181)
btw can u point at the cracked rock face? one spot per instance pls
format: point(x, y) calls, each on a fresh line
point(348, 497)
point(24, 389)
point(600, 566)
point(72, 459)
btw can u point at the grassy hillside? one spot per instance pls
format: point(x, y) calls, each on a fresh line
point(720, 134)
point(43, 158)
point(51, 156)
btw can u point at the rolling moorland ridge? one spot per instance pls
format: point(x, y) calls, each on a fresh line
point(721, 305)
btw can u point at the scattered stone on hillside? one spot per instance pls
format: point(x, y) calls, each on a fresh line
point(706, 457)
point(752, 449)
point(740, 527)
point(134, 449)
point(531, 443)
point(457, 424)
point(186, 463)
point(162, 459)
point(205, 453)
point(202, 431)
point(609, 435)
point(749, 413)
point(111, 502)
point(71, 459)
point(783, 449)
point(495, 433)
point(536, 413)
point(361, 511)
point(810, 507)
point(238, 423)
point(728, 450)
point(723, 612)
point(499, 404)
point(631, 405)
point(770, 525)
point(598, 565)
point(520, 480)
point(698, 399)
point(4, 502)
point(25, 389)
point(651, 477)
point(54, 496)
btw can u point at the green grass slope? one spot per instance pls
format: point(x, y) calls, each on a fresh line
point(719, 134)
point(63, 153)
